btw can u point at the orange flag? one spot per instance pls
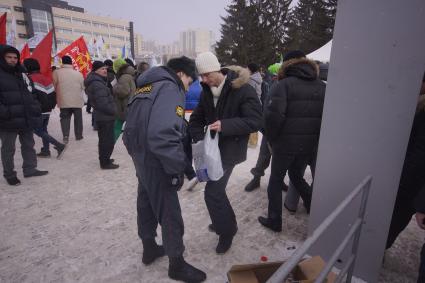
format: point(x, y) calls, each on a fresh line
point(25, 52)
point(79, 53)
point(3, 29)
point(43, 55)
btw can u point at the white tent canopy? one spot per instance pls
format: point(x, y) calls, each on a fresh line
point(323, 54)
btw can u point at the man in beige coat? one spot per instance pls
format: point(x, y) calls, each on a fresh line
point(69, 86)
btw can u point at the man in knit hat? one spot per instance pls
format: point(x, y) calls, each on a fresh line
point(153, 137)
point(230, 107)
point(104, 112)
point(20, 113)
point(46, 96)
point(69, 86)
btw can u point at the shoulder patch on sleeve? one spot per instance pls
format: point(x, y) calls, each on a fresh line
point(144, 89)
point(180, 111)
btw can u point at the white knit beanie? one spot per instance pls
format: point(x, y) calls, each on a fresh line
point(207, 62)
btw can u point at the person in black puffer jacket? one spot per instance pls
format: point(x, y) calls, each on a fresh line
point(20, 113)
point(412, 178)
point(45, 93)
point(292, 116)
point(104, 112)
point(420, 219)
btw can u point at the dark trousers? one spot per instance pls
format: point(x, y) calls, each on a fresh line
point(88, 106)
point(158, 203)
point(421, 278)
point(44, 135)
point(65, 118)
point(280, 165)
point(8, 148)
point(411, 182)
point(263, 160)
point(221, 212)
point(189, 172)
point(105, 133)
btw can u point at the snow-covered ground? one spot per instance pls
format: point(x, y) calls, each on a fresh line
point(78, 223)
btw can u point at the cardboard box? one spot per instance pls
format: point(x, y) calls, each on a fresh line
point(305, 272)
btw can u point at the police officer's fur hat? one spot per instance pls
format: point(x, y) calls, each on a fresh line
point(185, 65)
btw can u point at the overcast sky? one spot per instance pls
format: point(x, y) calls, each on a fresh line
point(161, 20)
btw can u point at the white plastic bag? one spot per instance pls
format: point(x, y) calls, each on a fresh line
point(212, 157)
point(198, 150)
point(207, 158)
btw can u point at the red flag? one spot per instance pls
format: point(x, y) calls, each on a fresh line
point(43, 55)
point(3, 29)
point(79, 53)
point(25, 52)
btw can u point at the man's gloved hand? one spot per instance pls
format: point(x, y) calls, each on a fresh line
point(177, 181)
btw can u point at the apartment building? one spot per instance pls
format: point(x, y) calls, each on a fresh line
point(193, 42)
point(36, 18)
point(14, 10)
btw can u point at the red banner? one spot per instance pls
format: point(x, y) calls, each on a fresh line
point(79, 53)
point(25, 52)
point(3, 29)
point(43, 54)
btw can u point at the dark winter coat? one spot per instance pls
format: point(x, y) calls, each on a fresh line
point(100, 97)
point(44, 91)
point(19, 110)
point(154, 128)
point(111, 76)
point(293, 114)
point(239, 110)
point(413, 177)
point(124, 89)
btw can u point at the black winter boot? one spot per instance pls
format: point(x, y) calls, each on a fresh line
point(254, 184)
point(272, 224)
point(151, 251)
point(224, 244)
point(180, 270)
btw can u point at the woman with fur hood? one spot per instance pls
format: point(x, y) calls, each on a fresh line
point(292, 116)
point(123, 90)
point(230, 107)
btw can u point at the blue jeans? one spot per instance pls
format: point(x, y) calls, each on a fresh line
point(44, 135)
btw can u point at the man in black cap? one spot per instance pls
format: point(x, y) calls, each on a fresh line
point(292, 116)
point(20, 113)
point(153, 137)
point(104, 112)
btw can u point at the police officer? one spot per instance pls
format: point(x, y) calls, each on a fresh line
point(153, 137)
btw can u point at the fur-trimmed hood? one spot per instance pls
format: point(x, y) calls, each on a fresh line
point(125, 69)
point(242, 75)
point(302, 68)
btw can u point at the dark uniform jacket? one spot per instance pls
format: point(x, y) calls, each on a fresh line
point(19, 110)
point(154, 126)
point(100, 97)
point(293, 114)
point(239, 110)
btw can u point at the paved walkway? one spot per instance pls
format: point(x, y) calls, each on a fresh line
point(78, 224)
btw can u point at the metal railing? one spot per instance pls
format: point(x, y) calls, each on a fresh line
point(355, 231)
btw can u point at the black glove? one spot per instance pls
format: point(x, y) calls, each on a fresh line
point(177, 181)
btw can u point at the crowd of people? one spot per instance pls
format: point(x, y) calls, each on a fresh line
point(148, 105)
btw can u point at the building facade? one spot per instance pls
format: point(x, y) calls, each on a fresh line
point(193, 42)
point(105, 36)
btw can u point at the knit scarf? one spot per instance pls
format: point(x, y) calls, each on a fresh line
point(216, 91)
